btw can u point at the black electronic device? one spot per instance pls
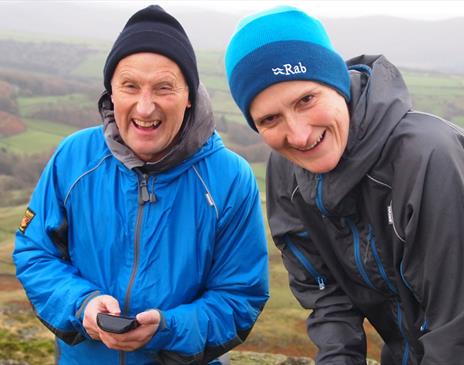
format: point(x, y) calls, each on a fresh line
point(116, 324)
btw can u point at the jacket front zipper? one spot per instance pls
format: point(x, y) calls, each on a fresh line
point(143, 197)
point(319, 196)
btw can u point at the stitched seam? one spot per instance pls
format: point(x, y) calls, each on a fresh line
point(378, 181)
point(207, 191)
point(84, 174)
point(393, 224)
point(294, 192)
point(448, 123)
point(391, 205)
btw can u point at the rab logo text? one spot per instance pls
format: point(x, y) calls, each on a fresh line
point(289, 69)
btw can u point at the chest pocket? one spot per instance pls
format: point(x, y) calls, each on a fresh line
point(362, 256)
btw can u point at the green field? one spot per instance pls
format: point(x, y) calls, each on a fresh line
point(92, 67)
point(28, 105)
point(40, 136)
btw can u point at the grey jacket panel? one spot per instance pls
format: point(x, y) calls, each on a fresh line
point(382, 229)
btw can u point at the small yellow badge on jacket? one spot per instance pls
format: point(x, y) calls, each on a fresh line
point(28, 216)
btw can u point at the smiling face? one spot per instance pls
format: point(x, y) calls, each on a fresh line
point(150, 97)
point(305, 121)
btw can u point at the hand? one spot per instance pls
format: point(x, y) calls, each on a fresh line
point(101, 303)
point(136, 338)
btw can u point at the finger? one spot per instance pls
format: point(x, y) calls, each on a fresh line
point(93, 334)
point(150, 317)
point(120, 341)
point(128, 341)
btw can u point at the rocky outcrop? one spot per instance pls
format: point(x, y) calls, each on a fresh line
point(256, 358)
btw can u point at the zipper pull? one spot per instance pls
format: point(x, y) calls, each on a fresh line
point(320, 281)
point(425, 326)
point(143, 196)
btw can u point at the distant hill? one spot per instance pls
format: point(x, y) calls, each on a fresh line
point(10, 124)
point(426, 45)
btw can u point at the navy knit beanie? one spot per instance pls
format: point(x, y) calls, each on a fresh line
point(153, 30)
point(281, 44)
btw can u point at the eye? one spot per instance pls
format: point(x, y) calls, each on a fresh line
point(164, 89)
point(306, 99)
point(129, 86)
point(267, 121)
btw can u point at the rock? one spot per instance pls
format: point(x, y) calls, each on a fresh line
point(12, 362)
point(256, 358)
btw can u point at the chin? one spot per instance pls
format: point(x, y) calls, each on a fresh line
point(317, 168)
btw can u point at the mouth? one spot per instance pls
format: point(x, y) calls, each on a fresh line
point(314, 144)
point(146, 124)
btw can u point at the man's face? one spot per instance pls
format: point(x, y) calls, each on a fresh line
point(150, 97)
point(305, 121)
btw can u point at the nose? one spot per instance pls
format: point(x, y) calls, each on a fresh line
point(145, 104)
point(298, 131)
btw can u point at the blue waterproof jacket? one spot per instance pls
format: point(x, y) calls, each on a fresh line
point(188, 241)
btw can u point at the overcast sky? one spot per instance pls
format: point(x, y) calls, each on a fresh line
point(415, 9)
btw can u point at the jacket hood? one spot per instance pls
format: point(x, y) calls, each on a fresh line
point(197, 127)
point(379, 101)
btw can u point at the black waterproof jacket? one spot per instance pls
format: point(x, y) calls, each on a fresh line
point(381, 236)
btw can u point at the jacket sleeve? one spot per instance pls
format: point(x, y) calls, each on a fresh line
point(428, 206)
point(334, 325)
point(52, 284)
point(236, 288)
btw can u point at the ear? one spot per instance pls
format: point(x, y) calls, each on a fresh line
point(189, 104)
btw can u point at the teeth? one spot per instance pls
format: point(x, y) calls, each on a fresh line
point(316, 142)
point(147, 124)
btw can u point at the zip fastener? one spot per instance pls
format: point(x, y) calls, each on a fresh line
point(143, 197)
point(378, 261)
point(357, 254)
point(425, 325)
point(319, 196)
point(358, 259)
point(406, 343)
point(306, 263)
point(404, 279)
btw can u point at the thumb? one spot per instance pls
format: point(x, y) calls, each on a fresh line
point(110, 304)
point(149, 317)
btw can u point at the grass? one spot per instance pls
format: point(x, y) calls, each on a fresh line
point(40, 136)
point(259, 169)
point(28, 105)
point(92, 67)
point(10, 217)
point(31, 142)
point(22, 338)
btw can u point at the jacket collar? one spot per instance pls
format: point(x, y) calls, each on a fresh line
point(379, 101)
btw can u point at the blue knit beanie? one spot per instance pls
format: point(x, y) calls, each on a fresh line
point(277, 45)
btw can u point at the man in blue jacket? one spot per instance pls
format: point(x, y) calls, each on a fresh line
point(148, 216)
